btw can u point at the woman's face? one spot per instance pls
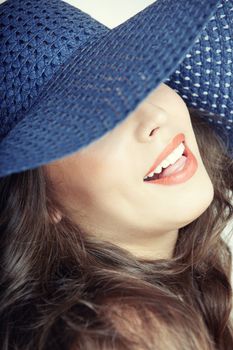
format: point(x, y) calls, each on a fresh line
point(104, 181)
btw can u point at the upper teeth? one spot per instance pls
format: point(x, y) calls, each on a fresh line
point(171, 159)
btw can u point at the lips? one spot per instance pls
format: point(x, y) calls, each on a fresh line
point(170, 147)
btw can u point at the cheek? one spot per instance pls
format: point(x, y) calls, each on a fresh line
point(88, 180)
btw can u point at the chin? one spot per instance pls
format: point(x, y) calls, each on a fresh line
point(202, 205)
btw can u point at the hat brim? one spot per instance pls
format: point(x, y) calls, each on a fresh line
point(102, 83)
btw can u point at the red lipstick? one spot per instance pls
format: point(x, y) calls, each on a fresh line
point(170, 147)
point(186, 172)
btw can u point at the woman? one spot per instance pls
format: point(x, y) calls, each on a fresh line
point(95, 254)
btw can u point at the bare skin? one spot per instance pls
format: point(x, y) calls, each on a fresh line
point(104, 181)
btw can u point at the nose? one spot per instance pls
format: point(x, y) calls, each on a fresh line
point(150, 118)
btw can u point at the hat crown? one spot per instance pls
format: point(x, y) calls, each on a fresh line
point(36, 38)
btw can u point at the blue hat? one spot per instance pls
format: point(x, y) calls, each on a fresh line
point(67, 79)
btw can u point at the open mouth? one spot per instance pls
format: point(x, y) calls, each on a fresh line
point(171, 159)
point(171, 168)
point(175, 165)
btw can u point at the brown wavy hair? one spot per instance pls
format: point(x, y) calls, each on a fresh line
point(62, 288)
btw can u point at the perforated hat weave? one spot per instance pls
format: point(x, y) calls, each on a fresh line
point(66, 79)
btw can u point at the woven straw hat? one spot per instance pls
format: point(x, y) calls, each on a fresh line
point(67, 79)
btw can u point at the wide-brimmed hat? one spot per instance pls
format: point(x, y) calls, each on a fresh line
point(66, 79)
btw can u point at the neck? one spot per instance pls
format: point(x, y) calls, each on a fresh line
point(153, 247)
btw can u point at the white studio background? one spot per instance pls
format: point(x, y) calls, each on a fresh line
point(112, 13)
